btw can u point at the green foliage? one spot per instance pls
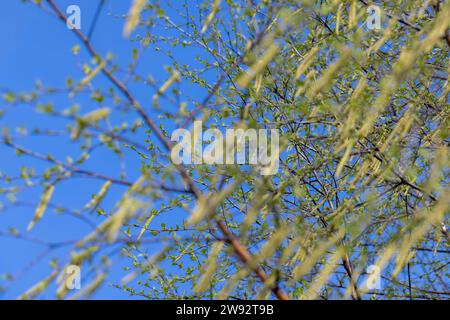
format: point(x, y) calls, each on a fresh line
point(363, 178)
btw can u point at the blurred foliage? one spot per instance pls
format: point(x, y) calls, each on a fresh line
point(363, 178)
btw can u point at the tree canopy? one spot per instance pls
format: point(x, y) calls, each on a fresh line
point(362, 179)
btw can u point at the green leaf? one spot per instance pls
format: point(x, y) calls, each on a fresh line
point(45, 199)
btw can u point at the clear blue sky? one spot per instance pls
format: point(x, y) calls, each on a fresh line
point(37, 46)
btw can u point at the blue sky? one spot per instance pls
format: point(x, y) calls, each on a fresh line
point(37, 47)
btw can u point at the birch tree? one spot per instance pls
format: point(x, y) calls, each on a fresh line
point(362, 185)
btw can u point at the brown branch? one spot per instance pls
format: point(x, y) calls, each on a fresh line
point(246, 258)
point(349, 270)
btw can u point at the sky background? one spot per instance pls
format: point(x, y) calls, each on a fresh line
point(36, 46)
